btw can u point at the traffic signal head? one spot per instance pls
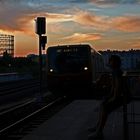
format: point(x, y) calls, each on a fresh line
point(40, 25)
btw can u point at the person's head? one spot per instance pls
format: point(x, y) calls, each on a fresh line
point(114, 62)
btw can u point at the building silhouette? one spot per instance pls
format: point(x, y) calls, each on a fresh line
point(130, 59)
point(6, 44)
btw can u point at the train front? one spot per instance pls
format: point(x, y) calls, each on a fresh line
point(69, 67)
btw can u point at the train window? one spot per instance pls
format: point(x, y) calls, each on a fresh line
point(66, 60)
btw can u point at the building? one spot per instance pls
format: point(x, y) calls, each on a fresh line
point(6, 44)
point(130, 59)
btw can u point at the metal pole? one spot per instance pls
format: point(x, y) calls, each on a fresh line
point(40, 69)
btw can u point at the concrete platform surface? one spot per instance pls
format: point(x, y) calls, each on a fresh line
point(72, 122)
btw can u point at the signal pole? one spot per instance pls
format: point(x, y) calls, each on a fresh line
point(40, 30)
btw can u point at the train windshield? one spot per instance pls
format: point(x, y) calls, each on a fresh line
point(68, 59)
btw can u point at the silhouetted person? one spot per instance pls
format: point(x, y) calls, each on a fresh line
point(113, 101)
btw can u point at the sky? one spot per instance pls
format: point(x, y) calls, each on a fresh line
point(105, 24)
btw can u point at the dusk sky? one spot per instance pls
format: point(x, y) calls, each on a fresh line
point(105, 24)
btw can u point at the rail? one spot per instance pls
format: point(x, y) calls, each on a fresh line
point(6, 77)
point(9, 129)
point(19, 87)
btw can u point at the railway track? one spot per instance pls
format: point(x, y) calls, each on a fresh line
point(26, 117)
point(17, 91)
point(9, 88)
point(19, 88)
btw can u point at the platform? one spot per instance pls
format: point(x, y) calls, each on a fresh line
point(72, 122)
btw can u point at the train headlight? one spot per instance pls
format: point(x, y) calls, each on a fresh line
point(85, 68)
point(51, 70)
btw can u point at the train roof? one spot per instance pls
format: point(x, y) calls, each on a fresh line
point(93, 51)
point(70, 45)
point(77, 45)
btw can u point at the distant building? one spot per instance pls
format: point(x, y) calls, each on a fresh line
point(35, 58)
point(130, 59)
point(6, 44)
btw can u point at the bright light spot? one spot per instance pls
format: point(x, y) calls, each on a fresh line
point(51, 70)
point(85, 68)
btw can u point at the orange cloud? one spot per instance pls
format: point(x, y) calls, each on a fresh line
point(79, 37)
point(53, 18)
point(88, 19)
point(25, 23)
point(135, 43)
point(126, 24)
point(57, 28)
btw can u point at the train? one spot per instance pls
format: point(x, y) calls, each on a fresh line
point(72, 66)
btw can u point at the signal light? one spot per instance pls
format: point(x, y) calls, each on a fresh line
point(40, 25)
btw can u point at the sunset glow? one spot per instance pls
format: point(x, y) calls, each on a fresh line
point(104, 24)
